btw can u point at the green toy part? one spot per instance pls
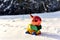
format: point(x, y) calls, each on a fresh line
point(33, 27)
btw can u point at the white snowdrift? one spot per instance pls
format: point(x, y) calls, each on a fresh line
point(14, 27)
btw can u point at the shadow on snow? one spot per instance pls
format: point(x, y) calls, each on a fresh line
point(55, 36)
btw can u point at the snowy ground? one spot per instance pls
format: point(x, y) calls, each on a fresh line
point(14, 27)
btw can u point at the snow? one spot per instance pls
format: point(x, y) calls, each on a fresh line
point(14, 27)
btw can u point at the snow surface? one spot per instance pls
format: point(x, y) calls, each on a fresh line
point(14, 27)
